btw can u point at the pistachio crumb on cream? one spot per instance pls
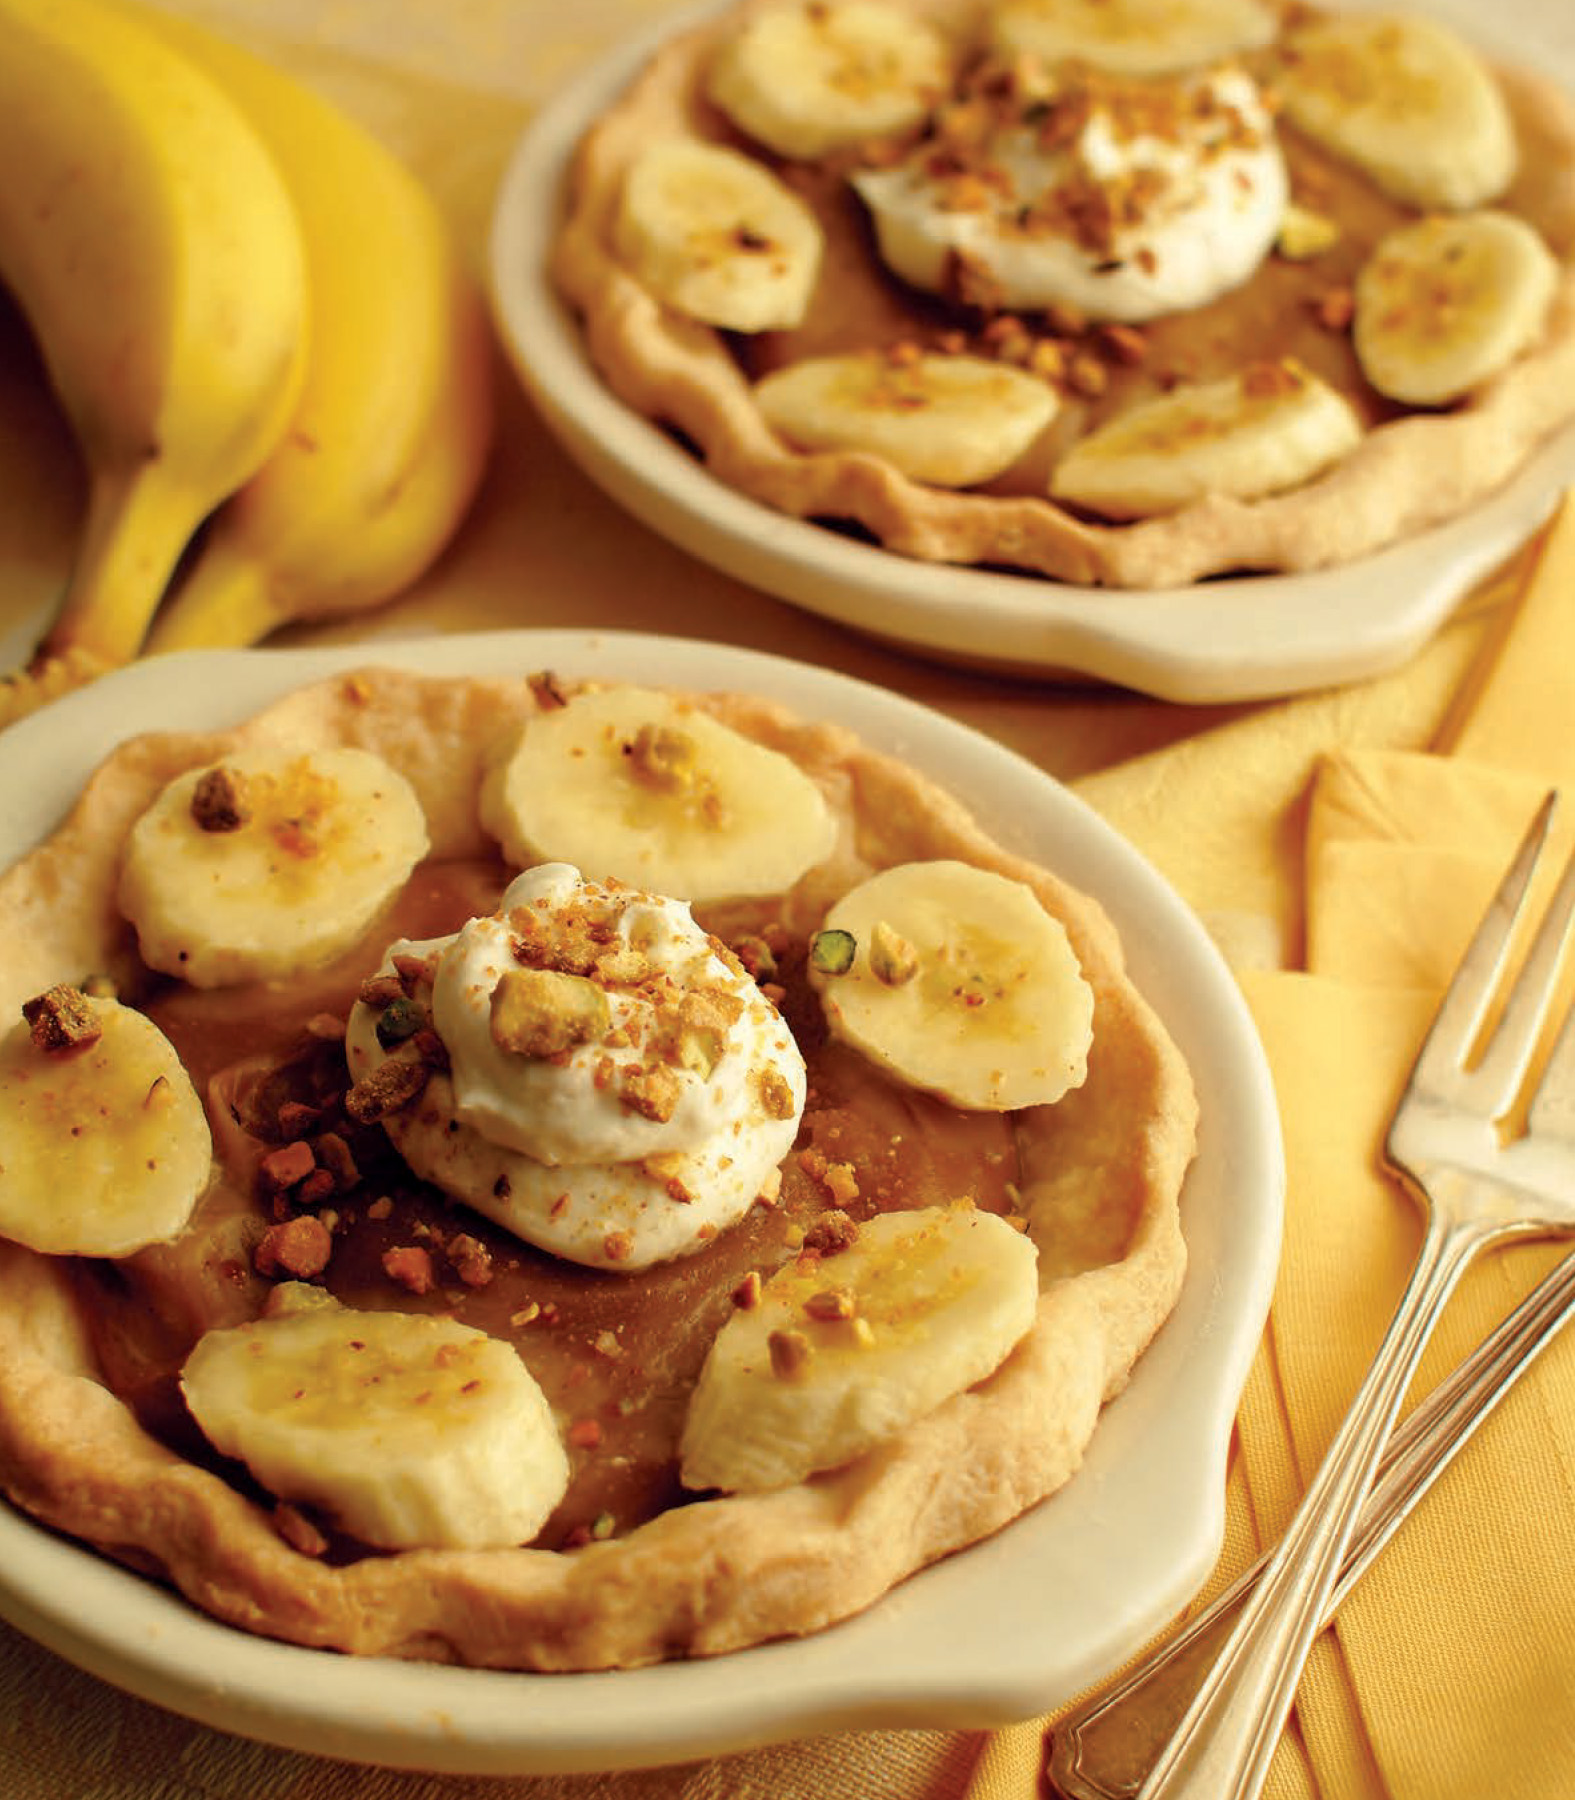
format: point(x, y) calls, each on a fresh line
point(618, 1089)
point(1126, 200)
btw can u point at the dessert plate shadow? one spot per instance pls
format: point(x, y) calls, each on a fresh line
point(999, 1632)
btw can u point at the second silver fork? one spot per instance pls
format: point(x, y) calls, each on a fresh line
point(1444, 1144)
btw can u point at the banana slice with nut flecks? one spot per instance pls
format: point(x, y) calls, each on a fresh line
point(950, 420)
point(1265, 429)
point(1447, 302)
point(268, 863)
point(1407, 101)
point(805, 80)
point(405, 1431)
point(717, 237)
point(628, 784)
point(839, 1353)
point(104, 1146)
point(1132, 37)
point(959, 982)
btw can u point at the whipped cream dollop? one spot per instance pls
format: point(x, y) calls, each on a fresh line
point(618, 1089)
point(1123, 201)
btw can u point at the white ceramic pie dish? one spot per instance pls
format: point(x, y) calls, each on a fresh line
point(1002, 1631)
point(1232, 639)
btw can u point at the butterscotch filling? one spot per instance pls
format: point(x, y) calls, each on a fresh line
point(304, 1192)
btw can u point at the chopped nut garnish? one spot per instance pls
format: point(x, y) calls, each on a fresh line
point(585, 1434)
point(282, 1168)
point(893, 960)
point(652, 1092)
point(662, 757)
point(791, 1353)
point(334, 1155)
point(218, 802)
point(1336, 308)
point(842, 1182)
point(471, 1258)
point(776, 1096)
point(832, 1232)
point(402, 1018)
point(1304, 234)
point(411, 1266)
point(385, 1090)
point(380, 990)
point(831, 1305)
point(61, 1019)
point(756, 956)
point(299, 1247)
point(528, 1314)
point(618, 1246)
point(1123, 343)
point(832, 952)
point(746, 1296)
point(543, 1012)
point(547, 690)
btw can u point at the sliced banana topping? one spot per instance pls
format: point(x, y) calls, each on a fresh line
point(839, 1353)
point(268, 863)
point(805, 80)
point(104, 1146)
point(1133, 37)
point(1407, 101)
point(949, 420)
point(630, 785)
point(717, 237)
point(611, 1090)
point(406, 1431)
point(1259, 432)
point(1444, 304)
point(961, 984)
point(1122, 199)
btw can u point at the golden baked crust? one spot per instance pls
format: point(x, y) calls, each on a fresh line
point(1103, 1170)
point(1410, 471)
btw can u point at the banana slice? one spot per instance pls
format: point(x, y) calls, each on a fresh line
point(717, 237)
point(407, 1431)
point(960, 983)
point(630, 785)
point(1406, 101)
point(104, 1146)
point(1132, 37)
point(1445, 303)
point(807, 80)
point(1246, 435)
point(841, 1353)
point(950, 420)
point(268, 863)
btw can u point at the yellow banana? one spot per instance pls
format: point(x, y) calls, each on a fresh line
point(394, 420)
point(150, 243)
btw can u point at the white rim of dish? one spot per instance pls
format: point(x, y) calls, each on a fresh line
point(998, 1632)
point(1230, 639)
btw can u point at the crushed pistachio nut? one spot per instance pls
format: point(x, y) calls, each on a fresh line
point(402, 1018)
point(543, 1012)
point(831, 1305)
point(834, 1231)
point(1305, 234)
point(218, 802)
point(832, 952)
point(791, 1354)
point(61, 1019)
point(746, 1296)
point(893, 960)
point(662, 757)
point(389, 1087)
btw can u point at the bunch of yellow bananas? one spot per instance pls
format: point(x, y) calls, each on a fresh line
point(256, 322)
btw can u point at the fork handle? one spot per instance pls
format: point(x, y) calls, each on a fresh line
point(1101, 1748)
point(1222, 1748)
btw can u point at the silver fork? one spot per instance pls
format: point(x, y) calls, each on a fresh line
point(1445, 1145)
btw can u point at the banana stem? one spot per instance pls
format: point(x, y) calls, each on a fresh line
point(132, 539)
point(225, 599)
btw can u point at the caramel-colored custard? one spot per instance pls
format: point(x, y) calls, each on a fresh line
point(616, 1354)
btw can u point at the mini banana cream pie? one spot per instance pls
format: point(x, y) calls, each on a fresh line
point(542, 1270)
point(1119, 292)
